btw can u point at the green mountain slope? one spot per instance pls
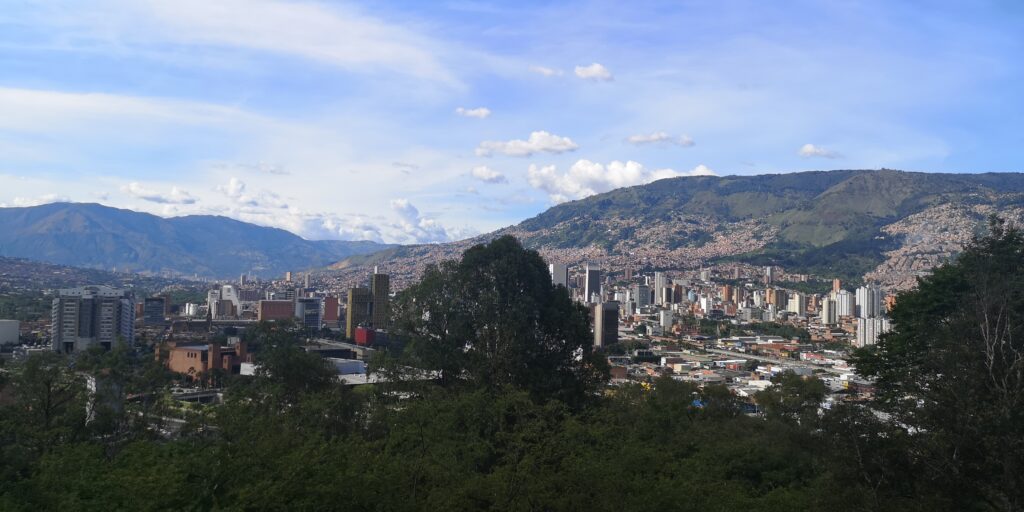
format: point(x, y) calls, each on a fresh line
point(96, 236)
point(832, 223)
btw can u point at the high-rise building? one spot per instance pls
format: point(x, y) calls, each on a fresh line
point(593, 285)
point(358, 312)
point(380, 308)
point(665, 317)
point(559, 274)
point(288, 277)
point(331, 309)
point(869, 301)
point(9, 332)
point(845, 304)
point(153, 309)
point(641, 295)
point(90, 316)
point(306, 281)
point(739, 296)
point(797, 304)
point(666, 296)
point(769, 275)
point(836, 285)
point(869, 329)
point(606, 324)
point(660, 282)
point(309, 312)
point(828, 311)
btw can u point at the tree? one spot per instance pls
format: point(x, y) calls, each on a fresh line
point(792, 398)
point(952, 372)
point(50, 401)
point(494, 319)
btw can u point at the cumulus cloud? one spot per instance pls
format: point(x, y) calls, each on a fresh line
point(237, 191)
point(176, 196)
point(810, 150)
point(418, 228)
point(586, 178)
point(541, 70)
point(23, 202)
point(479, 113)
point(660, 138)
point(595, 72)
point(540, 141)
point(488, 175)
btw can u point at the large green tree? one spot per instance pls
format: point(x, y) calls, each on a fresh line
point(952, 373)
point(494, 319)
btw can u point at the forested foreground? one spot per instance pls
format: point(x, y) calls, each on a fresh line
point(516, 416)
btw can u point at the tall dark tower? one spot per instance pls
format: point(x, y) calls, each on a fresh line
point(380, 289)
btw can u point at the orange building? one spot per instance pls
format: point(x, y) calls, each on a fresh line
point(196, 359)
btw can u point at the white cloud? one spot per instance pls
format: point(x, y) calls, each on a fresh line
point(418, 228)
point(586, 178)
point(22, 202)
point(595, 72)
point(488, 175)
point(236, 190)
point(479, 113)
point(337, 34)
point(176, 196)
point(660, 138)
point(810, 150)
point(546, 71)
point(540, 141)
point(258, 167)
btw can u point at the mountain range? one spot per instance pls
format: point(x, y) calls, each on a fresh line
point(101, 237)
point(884, 226)
point(880, 225)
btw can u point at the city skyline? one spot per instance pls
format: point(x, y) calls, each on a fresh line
point(409, 123)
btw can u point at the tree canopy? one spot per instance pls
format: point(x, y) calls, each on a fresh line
point(493, 319)
point(952, 372)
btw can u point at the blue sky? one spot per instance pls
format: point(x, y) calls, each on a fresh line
point(429, 121)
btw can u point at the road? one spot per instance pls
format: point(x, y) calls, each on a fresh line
point(745, 355)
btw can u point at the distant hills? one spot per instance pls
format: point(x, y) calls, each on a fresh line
point(101, 237)
point(886, 226)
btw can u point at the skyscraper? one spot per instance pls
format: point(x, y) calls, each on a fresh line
point(92, 315)
point(869, 301)
point(797, 304)
point(660, 282)
point(153, 310)
point(309, 312)
point(869, 329)
point(358, 312)
point(593, 285)
point(828, 311)
point(559, 274)
point(845, 305)
point(606, 324)
point(641, 295)
point(380, 289)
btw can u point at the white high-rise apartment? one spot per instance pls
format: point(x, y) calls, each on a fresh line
point(92, 315)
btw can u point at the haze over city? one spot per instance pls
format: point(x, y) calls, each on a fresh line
point(410, 122)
